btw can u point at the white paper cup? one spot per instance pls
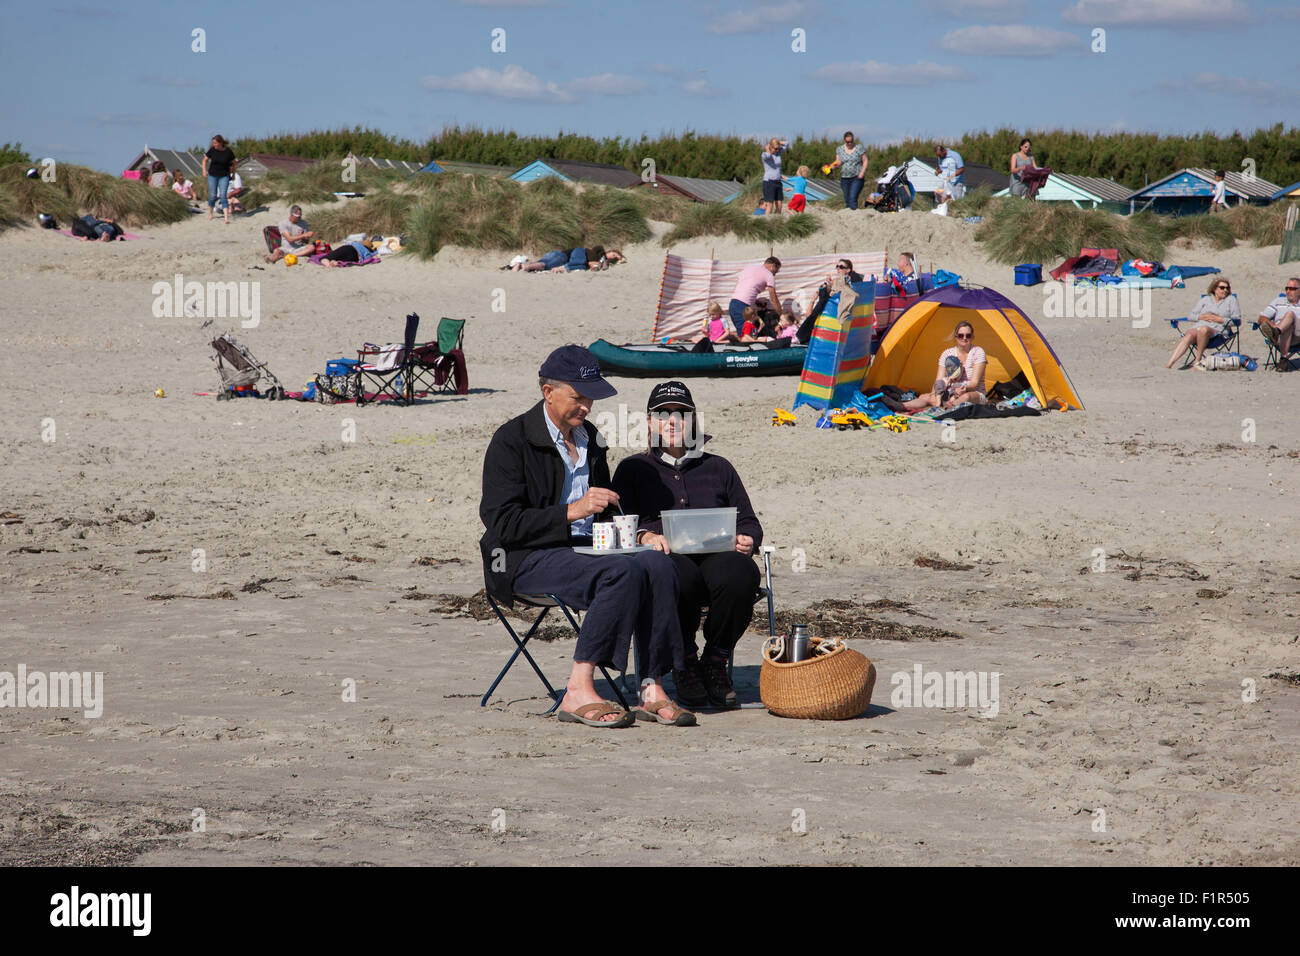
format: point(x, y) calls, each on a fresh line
point(626, 525)
point(604, 537)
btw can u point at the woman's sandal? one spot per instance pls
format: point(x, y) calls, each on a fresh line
point(590, 715)
point(650, 711)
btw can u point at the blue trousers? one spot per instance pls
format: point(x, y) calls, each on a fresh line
point(217, 187)
point(622, 594)
point(851, 186)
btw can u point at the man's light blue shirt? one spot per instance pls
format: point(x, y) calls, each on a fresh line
point(577, 476)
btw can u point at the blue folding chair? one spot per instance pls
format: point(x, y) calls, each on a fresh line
point(1275, 356)
point(545, 602)
point(1229, 340)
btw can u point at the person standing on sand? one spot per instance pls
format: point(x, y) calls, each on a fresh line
point(773, 193)
point(851, 159)
point(545, 480)
point(218, 163)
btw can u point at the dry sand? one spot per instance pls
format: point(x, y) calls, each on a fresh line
point(1120, 691)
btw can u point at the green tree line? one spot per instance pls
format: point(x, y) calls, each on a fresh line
point(1132, 159)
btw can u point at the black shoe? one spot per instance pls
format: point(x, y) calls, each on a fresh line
point(690, 685)
point(717, 683)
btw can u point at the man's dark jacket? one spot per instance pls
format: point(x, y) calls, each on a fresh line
point(648, 486)
point(521, 507)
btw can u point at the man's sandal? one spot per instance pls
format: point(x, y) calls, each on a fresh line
point(590, 715)
point(650, 711)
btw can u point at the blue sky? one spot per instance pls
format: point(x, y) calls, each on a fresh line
point(886, 70)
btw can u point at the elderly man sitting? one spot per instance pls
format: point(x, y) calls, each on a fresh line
point(1280, 322)
point(545, 480)
point(295, 237)
point(677, 473)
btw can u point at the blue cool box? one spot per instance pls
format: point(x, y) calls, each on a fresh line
point(340, 366)
point(1029, 274)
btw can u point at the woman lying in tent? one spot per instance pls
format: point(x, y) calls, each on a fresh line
point(961, 374)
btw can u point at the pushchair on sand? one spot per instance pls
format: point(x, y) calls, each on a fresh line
point(241, 371)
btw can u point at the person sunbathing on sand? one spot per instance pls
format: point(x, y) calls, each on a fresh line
point(354, 251)
point(595, 258)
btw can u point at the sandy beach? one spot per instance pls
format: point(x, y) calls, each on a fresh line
point(232, 568)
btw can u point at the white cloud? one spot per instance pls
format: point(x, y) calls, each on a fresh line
point(515, 83)
point(873, 73)
point(1011, 40)
point(1157, 13)
point(611, 84)
point(758, 19)
point(1232, 86)
point(977, 9)
point(704, 88)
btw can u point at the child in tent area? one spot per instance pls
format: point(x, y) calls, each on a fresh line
point(799, 183)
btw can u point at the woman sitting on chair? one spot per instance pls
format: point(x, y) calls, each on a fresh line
point(677, 473)
point(960, 377)
point(1212, 313)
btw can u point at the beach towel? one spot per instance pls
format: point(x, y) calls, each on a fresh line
point(1033, 178)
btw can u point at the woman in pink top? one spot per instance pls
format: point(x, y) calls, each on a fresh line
point(961, 374)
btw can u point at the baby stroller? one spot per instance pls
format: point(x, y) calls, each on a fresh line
point(897, 193)
point(240, 371)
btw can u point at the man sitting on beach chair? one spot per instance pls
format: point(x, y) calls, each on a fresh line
point(295, 237)
point(545, 480)
point(1279, 322)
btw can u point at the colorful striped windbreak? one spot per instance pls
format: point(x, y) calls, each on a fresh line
point(839, 352)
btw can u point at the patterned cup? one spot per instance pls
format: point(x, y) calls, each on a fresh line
point(626, 525)
point(604, 537)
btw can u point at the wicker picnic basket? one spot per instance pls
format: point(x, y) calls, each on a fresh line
point(832, 686)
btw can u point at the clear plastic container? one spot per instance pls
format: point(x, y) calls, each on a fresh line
point(700, 530)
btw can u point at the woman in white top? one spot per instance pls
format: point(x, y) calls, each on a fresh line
point(1213, 313)
point(960, 378)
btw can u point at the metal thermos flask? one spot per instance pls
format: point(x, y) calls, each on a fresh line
point(800, 646)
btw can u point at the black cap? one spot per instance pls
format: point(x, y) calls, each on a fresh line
point(577, 367)
point(670, 393)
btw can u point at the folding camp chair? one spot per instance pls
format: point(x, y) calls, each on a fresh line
point(1229, 340)
point(240, 370)
point(440, 366)
point(388, 368)
point(1275, 356)
point(545, 602)
point(763, 593)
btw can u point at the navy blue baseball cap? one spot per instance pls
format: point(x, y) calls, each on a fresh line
point(578, 368)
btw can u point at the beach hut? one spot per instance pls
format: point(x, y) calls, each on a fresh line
point(700, 190)
point(190, 163)
point(909, 353)
point(1287, 192)
point(601, 174)
point(1189, 190)
point(922, 176)
point(1084, 192)
point(454, 166)
point(257, 165)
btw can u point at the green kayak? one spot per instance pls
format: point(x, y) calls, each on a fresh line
point(672, 361)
